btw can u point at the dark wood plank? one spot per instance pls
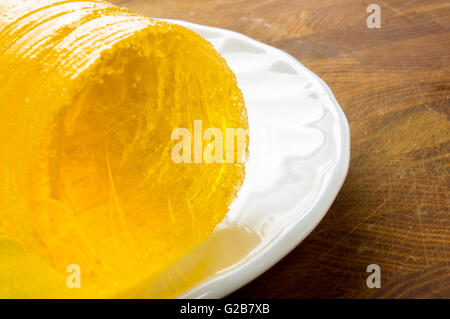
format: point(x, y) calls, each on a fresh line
point(394, 86)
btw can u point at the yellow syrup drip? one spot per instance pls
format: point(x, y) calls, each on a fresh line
point(89, 96)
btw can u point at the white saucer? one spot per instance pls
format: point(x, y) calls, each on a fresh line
point(299, 157)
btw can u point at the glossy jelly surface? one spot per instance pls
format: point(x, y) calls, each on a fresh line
point(90, 94)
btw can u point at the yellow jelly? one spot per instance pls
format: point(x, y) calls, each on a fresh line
point(90, 94)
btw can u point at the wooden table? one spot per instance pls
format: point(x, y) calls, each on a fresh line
point(394, 86)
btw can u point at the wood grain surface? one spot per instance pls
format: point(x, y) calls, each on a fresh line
point(393, 84)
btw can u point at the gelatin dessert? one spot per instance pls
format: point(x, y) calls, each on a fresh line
point(90, 95)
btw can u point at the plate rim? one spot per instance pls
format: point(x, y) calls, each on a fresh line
point(256, 266)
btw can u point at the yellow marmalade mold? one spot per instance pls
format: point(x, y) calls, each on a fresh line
point(89, 96)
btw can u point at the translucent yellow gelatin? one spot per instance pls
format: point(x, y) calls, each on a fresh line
point(89, 96)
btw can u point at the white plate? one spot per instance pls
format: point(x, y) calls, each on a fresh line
point(299, 157)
